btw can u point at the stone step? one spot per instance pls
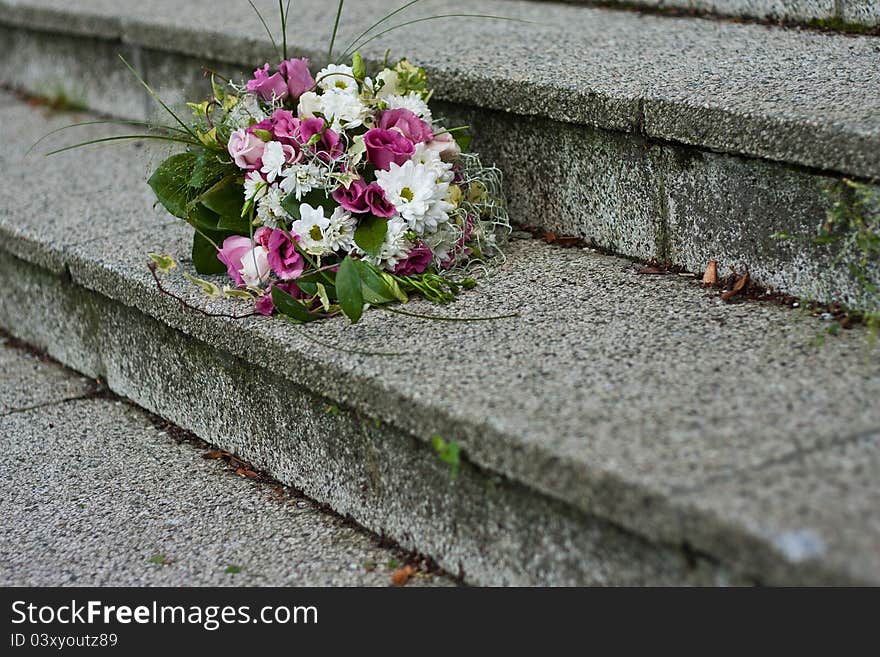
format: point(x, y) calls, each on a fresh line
point(682, 140)
point(844, 15)
point(98, 493)
point(622, 429)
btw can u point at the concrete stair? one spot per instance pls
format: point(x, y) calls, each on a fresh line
point(623, 429)
point(682, 140)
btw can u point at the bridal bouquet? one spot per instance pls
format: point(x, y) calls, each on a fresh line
point(320, 193)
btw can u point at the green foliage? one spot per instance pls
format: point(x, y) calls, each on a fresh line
point(448, 452)
point(410, 78)
point(232, 569)
point(358, 67)
point(293, 308)
point(370, 234)
point(204, 255)
point(170, 183)
point(350, 291)
point(164, 263)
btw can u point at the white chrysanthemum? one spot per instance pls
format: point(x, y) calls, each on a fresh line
point(269, 210)
point(391, 86)
point(274, 160)
point(300, 179)
point(394, 248)
point(246, 112)
point(254, 186)
point(411, 101)
point(431, 159)
point(255, 266)
point(309, 105)
point(415, 192)
point(342, 110)
point(337, 77)
point(312, 229)
point(339, 235)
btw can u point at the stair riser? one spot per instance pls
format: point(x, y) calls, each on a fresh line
point(478, 525)
point(637, 197)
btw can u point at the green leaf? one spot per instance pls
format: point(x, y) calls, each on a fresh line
point(208, 170)
point(322, 294)
point(293, 308)
point(170, 182)
point(358, 68)
point(370, 234)
point(202, 218)
point(291, 206)
point(164, 263)
point(463, 139)
point(226, 198)
point(378, 287)
point(349, 290)
point(448, 452)
point(204, 255)
point(263, 135)
point(205, 286)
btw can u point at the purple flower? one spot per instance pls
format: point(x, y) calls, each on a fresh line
point(265, 305)
point(387, 146)
point(234, 249)
point(268, 87)
point(328, 146)
point(416, 261)
point(284, 259)
point(299, 79)
point(376, 201)
point(246, 149)
point(411, 126)
point(352, 199)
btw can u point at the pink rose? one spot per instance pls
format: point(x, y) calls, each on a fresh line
point(299, 79)
point(411, 126)
point(416, 261)
point(233, 250)
point(352, 199)
point(284, 259)
point(268, 87)
point(376, 201)
point(387, 146)
point(246, 149)
point(328, 146)
point(445, 146)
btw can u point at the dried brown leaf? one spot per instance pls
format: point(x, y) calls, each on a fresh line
point(650, 269)
point(401, 576)
point(710, 276)
point(214, 454)
point(737, 287)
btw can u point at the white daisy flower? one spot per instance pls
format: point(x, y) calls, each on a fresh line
point(255, 266)
point(337, 77)
point(269, 210)
point(411, 101)
point(339, 235)
point(431, 159)
point(254, 186)
point(312, 229)
point(415, 192)
point(300, 179)
point(342, 110)
point(274, 160)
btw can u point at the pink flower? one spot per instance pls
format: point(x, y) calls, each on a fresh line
point(231, 253)
point(265, 305)
point(328, 146)
point(268, 87)
point(416, 261)
point(246, 149)
point(299, 79)
point(376, 201)
point(284, 259)
point(445, 146)
point(387, 146)
point(352, 199)
point(411, 126)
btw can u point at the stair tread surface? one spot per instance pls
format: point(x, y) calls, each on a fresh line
point(641, 399)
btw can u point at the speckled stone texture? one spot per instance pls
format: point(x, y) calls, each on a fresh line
point(94, 493)
point(603, 429)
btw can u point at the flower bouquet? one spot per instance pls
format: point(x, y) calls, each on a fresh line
point(322, 193)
